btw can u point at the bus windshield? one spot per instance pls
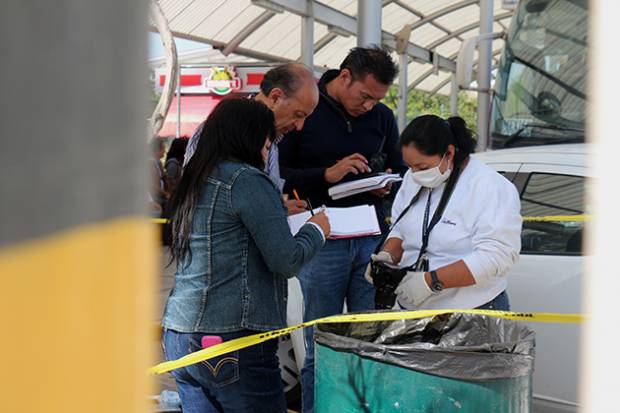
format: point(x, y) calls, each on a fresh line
point(540, 89)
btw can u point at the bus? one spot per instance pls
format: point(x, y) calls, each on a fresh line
point(540, 88)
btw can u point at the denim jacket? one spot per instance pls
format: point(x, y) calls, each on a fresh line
point(241, 254)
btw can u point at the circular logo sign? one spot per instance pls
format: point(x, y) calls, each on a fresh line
point(222, 81)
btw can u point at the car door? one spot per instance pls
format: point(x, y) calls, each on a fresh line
point(547, 277)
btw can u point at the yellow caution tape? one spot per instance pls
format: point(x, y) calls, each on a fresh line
point(546, 218)
point(243, 342)
point(159, 220)
point(558, 218)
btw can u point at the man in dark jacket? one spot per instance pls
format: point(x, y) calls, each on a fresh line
point(338, 142)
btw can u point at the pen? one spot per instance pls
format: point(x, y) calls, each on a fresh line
point(310, 207)
point(307, 201)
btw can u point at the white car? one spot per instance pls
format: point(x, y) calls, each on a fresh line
point(551, 180)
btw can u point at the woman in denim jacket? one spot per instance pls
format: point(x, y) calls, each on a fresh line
point(234, 253)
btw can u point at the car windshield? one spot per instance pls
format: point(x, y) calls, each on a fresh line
point(542, 74)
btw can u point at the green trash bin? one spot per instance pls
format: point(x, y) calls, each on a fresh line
point(462, 363)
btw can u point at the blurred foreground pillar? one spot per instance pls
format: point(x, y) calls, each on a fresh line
point(76, 251)
point(600, 359)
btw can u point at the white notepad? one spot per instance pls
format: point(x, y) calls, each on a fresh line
point(362, 185)
point(359, 221)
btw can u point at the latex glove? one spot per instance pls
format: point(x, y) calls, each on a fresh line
point(382, 256)
point(413, 289)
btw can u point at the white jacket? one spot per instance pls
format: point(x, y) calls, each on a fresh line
point(481, 225)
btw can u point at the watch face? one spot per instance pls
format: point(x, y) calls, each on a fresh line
point(437, 286)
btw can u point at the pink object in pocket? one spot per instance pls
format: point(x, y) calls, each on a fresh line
point(209, 341)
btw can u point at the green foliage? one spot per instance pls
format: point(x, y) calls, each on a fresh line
point(153, 101)
point(421, 103)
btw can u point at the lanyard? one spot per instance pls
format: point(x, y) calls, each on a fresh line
point(425, 229)
point(421, 263)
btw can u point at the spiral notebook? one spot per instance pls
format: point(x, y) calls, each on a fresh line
point(353, 222)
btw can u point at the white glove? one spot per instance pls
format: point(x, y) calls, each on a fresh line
point(413, 289)
point(382, 256)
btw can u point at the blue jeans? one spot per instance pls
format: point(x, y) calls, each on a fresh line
point(335, 274)
point(246, 380)
point(500, 303)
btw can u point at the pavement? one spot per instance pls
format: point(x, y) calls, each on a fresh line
point(166, 281)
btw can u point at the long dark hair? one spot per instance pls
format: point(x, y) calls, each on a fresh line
point(235, 130)
point(431, 135)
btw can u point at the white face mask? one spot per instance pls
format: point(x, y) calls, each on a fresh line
point(432, 177)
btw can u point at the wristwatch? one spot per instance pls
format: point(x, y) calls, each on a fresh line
point(436, 285)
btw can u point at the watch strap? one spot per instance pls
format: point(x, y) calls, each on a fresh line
point(436, 284)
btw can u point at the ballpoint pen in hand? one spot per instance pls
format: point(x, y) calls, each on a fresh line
point(310, 207)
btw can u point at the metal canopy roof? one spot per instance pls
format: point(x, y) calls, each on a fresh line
point(270, 30)
point(201, 55)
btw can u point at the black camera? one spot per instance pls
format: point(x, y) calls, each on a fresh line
point(377, 160)
point(385, 278)
point(376, 163)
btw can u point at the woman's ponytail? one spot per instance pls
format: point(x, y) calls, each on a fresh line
point(465, 143)
point(431, 135)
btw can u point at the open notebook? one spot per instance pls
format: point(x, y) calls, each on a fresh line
point(358, 186)
point(359, 221)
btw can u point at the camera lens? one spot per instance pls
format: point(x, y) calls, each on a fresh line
point(386, 281)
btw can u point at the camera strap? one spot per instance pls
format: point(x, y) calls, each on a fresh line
point(414, 199)
point(382, 144)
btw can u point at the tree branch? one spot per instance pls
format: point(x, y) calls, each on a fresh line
point(161, 110)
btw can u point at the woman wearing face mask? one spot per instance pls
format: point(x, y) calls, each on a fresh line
point(459, 230)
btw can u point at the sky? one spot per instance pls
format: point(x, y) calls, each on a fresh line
point(156, 49)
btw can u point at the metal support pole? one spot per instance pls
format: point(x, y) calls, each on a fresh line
point(369, 22)
point(402, 92)
point(178, 135)
point(454, 95)
point(484, 73)
point(307, 35)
